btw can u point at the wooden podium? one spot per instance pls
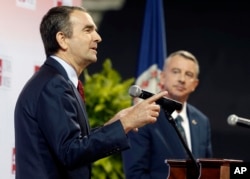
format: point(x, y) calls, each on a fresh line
point(209, 168)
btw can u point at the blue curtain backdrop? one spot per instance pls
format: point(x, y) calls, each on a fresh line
point(153, 47)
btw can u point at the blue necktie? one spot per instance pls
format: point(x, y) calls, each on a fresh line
point(178, 121)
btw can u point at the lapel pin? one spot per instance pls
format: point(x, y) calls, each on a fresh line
point(194, 122)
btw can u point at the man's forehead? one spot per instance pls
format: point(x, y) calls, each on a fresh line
point(83, 18)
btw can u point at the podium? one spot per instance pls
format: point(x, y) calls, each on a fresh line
point(209, 168)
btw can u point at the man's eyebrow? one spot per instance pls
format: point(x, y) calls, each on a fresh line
point(90, 27)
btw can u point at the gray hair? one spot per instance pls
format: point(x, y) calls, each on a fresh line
point(185, 54)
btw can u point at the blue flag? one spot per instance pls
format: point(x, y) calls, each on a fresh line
point(153, 47)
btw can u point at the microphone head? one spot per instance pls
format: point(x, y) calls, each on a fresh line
point(232, 119)
point(168, 104)
point(135, 91)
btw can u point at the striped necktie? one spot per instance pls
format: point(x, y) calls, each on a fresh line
point(178, 121)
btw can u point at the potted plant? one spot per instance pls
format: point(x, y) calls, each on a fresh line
point(106, 94)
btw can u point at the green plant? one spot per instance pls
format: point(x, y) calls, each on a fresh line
point(106, 94)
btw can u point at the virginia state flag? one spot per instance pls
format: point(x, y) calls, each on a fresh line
point(153, 47)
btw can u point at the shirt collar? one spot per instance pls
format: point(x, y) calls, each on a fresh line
point(183, 112)
point(69, 70)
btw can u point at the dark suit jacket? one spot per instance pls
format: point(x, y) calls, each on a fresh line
point(52, 135)
point(155, 143)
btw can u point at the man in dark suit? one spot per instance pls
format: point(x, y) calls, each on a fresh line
point(154, 144)
point(52, 135)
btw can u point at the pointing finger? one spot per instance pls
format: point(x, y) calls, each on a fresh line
point(157, 96)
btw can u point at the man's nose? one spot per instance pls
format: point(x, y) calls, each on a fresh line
point(97, 37)
point(182, 77)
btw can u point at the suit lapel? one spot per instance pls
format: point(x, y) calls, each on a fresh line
point(54, 64)
point(194, 131)
point(83, 109)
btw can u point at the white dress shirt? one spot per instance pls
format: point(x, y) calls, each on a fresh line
point(185, 124)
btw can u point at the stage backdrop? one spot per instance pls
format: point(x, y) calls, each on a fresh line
point(217, 33)
point(21, 53)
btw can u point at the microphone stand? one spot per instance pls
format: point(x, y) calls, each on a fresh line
point(196, 173)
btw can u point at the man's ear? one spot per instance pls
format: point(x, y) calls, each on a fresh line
point(162, 78)
point(196, 83)
point(60, 37)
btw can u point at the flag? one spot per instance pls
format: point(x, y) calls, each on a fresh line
point(153, 47)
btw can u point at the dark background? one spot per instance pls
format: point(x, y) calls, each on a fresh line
point(217, 33)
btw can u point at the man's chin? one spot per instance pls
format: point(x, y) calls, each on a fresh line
point(92, 60)
point(175, 96)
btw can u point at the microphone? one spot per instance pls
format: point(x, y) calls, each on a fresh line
point(234, 120)
point(167, 104)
